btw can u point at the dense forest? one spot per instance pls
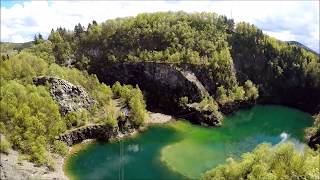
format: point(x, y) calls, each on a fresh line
point(244, 63)
point(231, 53)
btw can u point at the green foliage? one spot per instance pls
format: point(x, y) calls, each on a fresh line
point(221, 94)
point(111, 115)
point(238, 93)
point(38, 39)
point(133, 97)
point(315, 128)
point(125, 92)
point(251, 91)
point(267, 162)
point(183, 101)
point(76, 119)
point(61, 49)
point(138, 112)
point(209, 104)
point(22, 68)
point(170, 37)
point(4, 145)
point(43, 50)
point(280, 69)
point(31, 118)
point(60, 147)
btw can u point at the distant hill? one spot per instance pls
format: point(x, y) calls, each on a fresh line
point(302, 46)
point(16, 46)
point(9, 49)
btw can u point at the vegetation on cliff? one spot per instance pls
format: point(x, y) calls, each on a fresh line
point(285, 73)
point(282, 70)
point(243, 63)
point(312, 134)
point(30, 118)
point(267, 162)
point(199, 38)
point(133, 98)
point(316, 126)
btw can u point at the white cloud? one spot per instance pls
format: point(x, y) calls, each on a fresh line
point(286, 20)
point(18, 38)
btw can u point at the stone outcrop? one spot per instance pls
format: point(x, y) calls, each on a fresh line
point(70, 97)
point(163, 84)
point(164, 80)
point(99, 132)
point(106, 133)
point(202, 117)
point(314, 140)
point(191, 77)
point(236, 105)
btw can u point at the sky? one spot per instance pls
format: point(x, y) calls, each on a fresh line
point(284, 20)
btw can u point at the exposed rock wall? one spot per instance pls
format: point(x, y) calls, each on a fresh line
point(163, 84)
point(205, 118)
point(99, 132)
point(234, 106)
point(70, 97)
point(314, 140)
point(289, 89)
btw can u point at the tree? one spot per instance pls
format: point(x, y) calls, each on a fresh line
point(238, 93)
point(38, 39)
point(78, 30)
point(61, 49)
point(4, 145)
point(267, 162)
point(251, 91)
point(221, 95)
point(137, 106)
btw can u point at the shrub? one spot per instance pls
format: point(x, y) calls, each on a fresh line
point(4, 145)
point(60, 147)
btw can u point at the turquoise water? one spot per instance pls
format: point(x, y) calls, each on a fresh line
point(180, 150)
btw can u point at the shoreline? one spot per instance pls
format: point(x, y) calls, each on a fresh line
point(13, 168)
point(154, 119)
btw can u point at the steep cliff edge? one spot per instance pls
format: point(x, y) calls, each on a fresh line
point(163, 84)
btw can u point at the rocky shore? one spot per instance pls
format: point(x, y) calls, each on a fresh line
point(12, 168)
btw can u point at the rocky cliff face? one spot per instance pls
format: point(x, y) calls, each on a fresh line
point(290, 89)
point(100, 132)
point(163, 84)
point(70, 97)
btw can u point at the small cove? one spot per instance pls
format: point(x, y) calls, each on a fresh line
point(180, 150)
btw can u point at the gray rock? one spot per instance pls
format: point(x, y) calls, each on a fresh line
point(70, 97)
point(99, 132)
point(164, 84)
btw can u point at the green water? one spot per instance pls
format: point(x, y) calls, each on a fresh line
point(180, 150)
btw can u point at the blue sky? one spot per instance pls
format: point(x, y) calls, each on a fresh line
point(285, 20)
